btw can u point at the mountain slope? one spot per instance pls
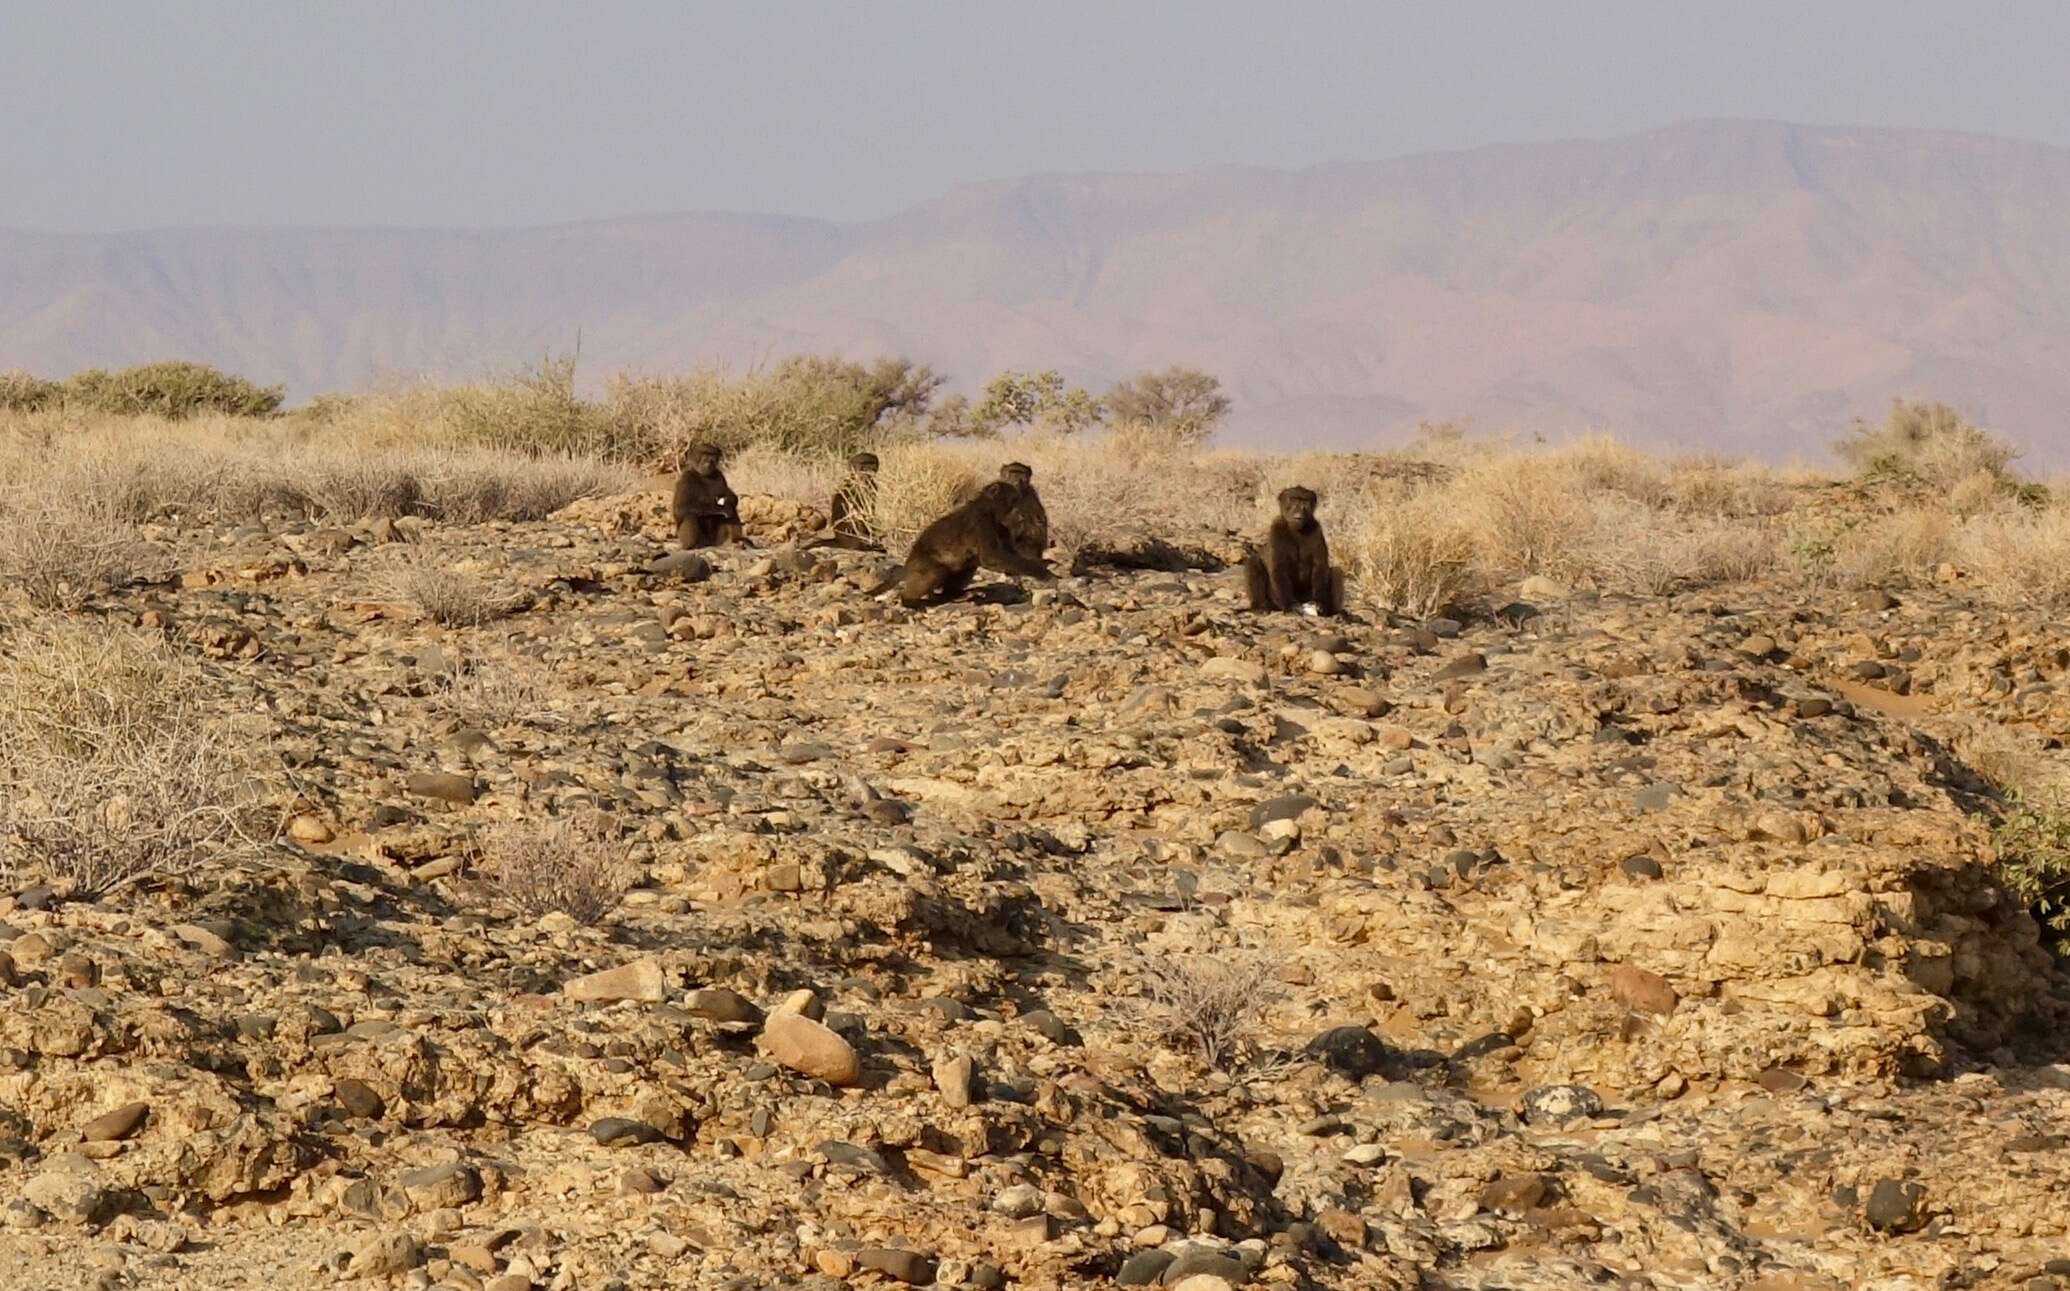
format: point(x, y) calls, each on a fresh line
point(1734, 285)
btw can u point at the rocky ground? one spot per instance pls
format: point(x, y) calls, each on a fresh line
point(1598, 942)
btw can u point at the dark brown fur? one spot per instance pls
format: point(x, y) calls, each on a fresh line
point(1026, 520)
point(705, 508)
point(1294, 568)
point(848, 515)
point(949, 552)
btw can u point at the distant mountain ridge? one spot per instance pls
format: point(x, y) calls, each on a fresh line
point(1729, 285)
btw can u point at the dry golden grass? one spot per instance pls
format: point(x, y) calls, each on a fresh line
point(60, 548)
point(1449, 518)
point(235, 470)
point(2018, 556)
point(1404, 551)
point(112, 773)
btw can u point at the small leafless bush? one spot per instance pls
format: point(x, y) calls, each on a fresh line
point(578, 868)
point(1142, 444)
point(362, 486)
point(810, 405)
point(1211, 1006)
point(453, 598)
point(492, 688)
point(762, 469)
point(1530, 515)
point(1600, 464)
point(2008, 760)
point(1731, 552)
point(1926, 443)
point(1975, 494)
point(533, 412)
point(144, 806)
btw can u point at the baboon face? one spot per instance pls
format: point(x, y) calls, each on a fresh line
point(863, 463)
point(704, 460)
point(997, 498)
point(1297, 507)
point(1018, 474)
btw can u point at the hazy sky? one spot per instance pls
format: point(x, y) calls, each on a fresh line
point(135, 113)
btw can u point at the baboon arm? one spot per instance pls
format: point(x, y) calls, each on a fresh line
point(1280, 575)
point(995, 552)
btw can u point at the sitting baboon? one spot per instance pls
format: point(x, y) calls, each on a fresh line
point(704, 508)
point(848, 515)
point(948, 553)
point(1294, 569)
point(1026, 519)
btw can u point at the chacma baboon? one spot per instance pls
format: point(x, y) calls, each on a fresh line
point(949, 552)
point(1026, 520)
point(1294, 569)
point(704, 508)
point(848, 515)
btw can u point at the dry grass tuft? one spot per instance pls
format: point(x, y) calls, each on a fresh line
point(1926, 443)
point(1404, 551)
point(111, 774)
point(73, 685)
point(492, 688)
point(2018, 556)
point(917, 484)
point(1531, 516)
point(63, 549)
point(1904, 547)
point(541, 867)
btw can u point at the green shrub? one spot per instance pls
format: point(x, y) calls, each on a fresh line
point(1035, 399)
point(536, 412)
point(1180, 400)
point(810, 404)
point(21, 392)
point(170, 390)
point(2033, 843)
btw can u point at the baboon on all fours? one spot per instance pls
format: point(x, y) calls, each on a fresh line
point(1026, 520)
point(704, 508)
point(1294, 568)
point(848, 515)
point(949, 552)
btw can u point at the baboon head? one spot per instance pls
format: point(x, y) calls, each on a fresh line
point(996, 499)
point(863, 463)
point(1297, 508)
point(703, 459)
point(1018, 474)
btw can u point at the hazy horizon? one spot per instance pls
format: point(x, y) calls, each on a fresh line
point(982, 183)
point(161, 114)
